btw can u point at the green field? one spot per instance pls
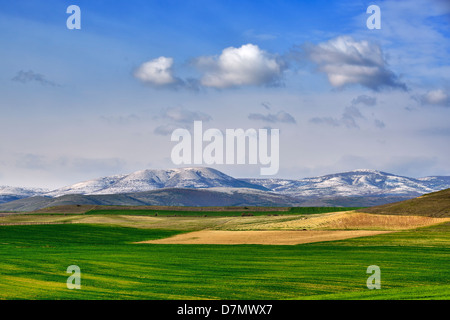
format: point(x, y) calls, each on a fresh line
point(34, 258)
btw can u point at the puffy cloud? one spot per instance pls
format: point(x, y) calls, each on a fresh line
point(347, 61)
point(30, 76)
point(247, 65)
point(157, 72)
point(435, 97)
point(273, 118)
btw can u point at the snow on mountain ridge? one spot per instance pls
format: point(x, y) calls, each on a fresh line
point(361, 182)
point(8, 193)
point(355, 183)
point(151, 179)
point(20, 191)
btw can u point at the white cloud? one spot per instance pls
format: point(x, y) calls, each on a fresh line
point(436, 97)
point(157, 72)
point(247, 65)
point(347, 61)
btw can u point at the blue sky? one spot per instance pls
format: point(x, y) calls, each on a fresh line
point(79, 104)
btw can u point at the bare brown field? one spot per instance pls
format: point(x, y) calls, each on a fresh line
point(262, 237)
point(326, 221)
point(348, 220)
point(145, 222)
point(188, 223)
point(360, 220)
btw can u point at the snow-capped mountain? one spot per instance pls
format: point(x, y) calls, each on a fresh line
point(355, 183)
point(147, 180)
point(14, 193)
point(353, 188)
point(436, 182)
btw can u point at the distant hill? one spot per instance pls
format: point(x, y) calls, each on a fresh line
point(162, 197)
point(436, 204)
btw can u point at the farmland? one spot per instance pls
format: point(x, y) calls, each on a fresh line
point(36, 249)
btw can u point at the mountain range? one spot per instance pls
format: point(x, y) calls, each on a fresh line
point(8, 194)
point(355, 183)
point(208, 187)
point(147, 180)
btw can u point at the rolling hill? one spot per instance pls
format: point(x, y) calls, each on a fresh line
point(161, 197)
point(436, 204)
